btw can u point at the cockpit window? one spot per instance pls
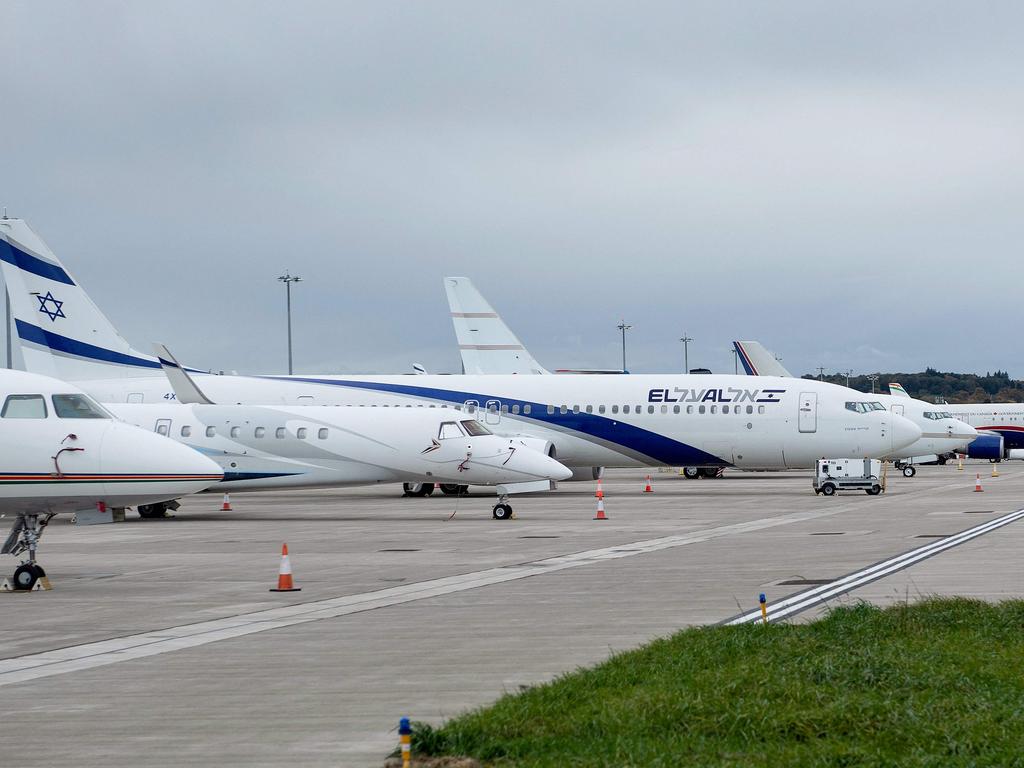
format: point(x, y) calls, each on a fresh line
point(449, 429)
point(78, 407)
point(876, 406)
point(474, 428)
point(858, 407)
point(937, 415)
point(24, 407)
point(855, 407)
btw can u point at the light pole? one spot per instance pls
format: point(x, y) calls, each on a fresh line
point(849, 373)
point(686, 352)
point(287, 278)
point(873, 378)
point(821, 372)
point(623, 327)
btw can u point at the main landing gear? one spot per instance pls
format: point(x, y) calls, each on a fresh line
point(417, 489)
point(156, 511)
point(24, 537)
point(908, 470)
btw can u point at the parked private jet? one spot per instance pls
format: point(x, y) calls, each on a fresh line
point(63, 452)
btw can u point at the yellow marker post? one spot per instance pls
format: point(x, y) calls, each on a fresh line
point(995, 471)
point(960, 462)
point(405, 741)
point(764, 608)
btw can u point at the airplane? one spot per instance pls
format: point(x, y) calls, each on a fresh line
point(1001, 423)
point(942, 433)
point(304, 446)
point(63, 452)
point(588, 421)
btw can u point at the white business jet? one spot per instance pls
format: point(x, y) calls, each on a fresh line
point(62, 452)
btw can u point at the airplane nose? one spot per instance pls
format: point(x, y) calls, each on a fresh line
point(904, 432)
point(964, 430)
point(541, 466)
point(166, 466)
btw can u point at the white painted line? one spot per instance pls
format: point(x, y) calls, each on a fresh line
point(801, 601)
point(75, 658)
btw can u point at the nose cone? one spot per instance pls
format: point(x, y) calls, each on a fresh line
point(904, 432)
point(539, 466)
point(142, 467)
point(961, 429)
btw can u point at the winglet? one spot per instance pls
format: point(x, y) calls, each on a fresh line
point(185, 390)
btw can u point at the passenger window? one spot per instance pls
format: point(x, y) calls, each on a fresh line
point(689, 409)
point(280, 432)
point(701, 409)
point(760, 409)
point(563, 410)
point(527, 409)
point(675, 409)
point(725, 409)
point(24, 407)
point(600, 409)
point(714, 409)
point(551, 409)
point(236, 431)
point(590, 409)
point(650, 409)
point(664, 409)
point(615, 409)
point(625, 409)
point(515, 410)
point(186, 431)
point(448, 430)
point(504, 409)
point(322, 434)
point(750, 409)
point(301, 433)
point(260, 431)
point(575, 409)
point(211, 431)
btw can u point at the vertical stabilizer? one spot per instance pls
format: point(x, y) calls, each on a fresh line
point(896, 389)
point(60, 331)
point(758, 361)
point(486, 344)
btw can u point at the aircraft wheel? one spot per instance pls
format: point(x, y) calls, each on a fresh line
point(417, 489)
point(26, 576)
point(874, 490)
point(942, 461)
point(909, 471)
point(502, 512)
point(454, 489)
point(150, 511)
point(691, 473)
point(828, 489)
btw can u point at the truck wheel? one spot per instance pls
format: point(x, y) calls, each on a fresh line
point(828, 489)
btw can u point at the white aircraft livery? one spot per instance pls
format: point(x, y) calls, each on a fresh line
point(942, 433)
point(589, 421)
point(62, 452)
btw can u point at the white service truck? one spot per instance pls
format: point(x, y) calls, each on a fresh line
point(831, 475)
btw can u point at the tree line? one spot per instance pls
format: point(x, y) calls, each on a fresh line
point(933, 385)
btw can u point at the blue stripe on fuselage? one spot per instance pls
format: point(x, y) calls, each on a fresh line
point(29, 263)
point(661, 449)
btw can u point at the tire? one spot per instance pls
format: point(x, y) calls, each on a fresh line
point(454, 489)
point(502, 512)
point(828, 489)
point(691, 473)
point(909, 471)
point(874, 490)
point(417, 489)
point(150, 511)
point(26, 576)
point(942, 461)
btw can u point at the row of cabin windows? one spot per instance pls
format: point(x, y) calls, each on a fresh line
point(301, 433)
point(690, 409)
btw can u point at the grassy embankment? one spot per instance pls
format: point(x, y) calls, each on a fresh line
point(938, 683)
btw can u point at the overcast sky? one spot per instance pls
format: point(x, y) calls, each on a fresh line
point(840, 181)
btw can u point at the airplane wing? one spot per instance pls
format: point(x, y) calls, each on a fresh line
point(185, 389)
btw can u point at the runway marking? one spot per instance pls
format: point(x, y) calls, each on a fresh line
point(75, 658)
point(810, 598)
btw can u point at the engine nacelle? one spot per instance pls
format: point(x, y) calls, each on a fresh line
point(585, 474)
point(986, 447)
point(544, 446)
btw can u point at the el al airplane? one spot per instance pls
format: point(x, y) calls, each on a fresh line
point(1002, 423)
point(941, 432)
point(589, 421)
point(302, 446)
point(62, 452)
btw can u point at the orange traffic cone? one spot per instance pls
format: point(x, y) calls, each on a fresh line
point(977, 483)
point(647, 487)
point(599, 493)
point(226, 505)
point(284, 574)
point(600, 511)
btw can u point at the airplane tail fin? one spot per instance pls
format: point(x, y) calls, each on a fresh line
point(758, 361)
point(896, 390)
point(486, 344)
point(61, 331)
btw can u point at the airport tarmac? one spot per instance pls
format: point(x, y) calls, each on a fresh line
point(160, 643)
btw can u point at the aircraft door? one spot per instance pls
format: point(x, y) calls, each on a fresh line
point(493, 412)
point(897, 410)
point(163, 427)
point(808, 417)
point(135, 397)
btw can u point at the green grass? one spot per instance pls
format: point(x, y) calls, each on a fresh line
point(940, 683)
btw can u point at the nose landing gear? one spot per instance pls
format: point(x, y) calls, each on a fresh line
point(502, 510)
point(24, 537)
